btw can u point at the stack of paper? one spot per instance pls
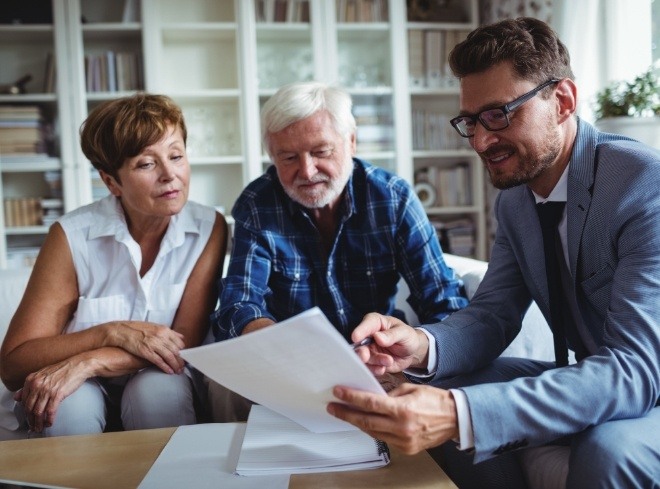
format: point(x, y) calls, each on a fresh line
point(274, 444)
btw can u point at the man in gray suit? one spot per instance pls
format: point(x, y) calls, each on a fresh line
point(517, 107)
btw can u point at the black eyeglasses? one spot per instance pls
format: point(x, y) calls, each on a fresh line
point(494, 119)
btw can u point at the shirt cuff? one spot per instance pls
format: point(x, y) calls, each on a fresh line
point(431, 366)
point(465, 434)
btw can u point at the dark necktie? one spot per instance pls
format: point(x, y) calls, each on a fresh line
point(549, 215)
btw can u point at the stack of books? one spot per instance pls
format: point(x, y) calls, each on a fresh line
point(456, 237)
point(21, 131)
point(375, 130)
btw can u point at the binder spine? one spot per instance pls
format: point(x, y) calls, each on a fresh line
point(383, 449)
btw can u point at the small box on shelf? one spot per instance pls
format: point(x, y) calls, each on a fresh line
point(453, 11)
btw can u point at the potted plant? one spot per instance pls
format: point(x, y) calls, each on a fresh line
point(631, 108)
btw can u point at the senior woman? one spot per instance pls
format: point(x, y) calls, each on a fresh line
point(120, 286)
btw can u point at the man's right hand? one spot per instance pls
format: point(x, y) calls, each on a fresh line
point(396, 345)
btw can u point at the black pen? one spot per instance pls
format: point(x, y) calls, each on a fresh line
point(367, 341)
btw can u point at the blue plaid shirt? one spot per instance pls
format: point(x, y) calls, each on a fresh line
point(278, 266)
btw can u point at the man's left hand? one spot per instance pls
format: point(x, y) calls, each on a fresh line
point(411, 417)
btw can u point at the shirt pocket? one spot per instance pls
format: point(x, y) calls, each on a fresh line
point(99, 310)
point(164, 304)
point(292, 284)
point(371, 281)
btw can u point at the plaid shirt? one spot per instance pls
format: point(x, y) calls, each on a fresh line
point(278, 266)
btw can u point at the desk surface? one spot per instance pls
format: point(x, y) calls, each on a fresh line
point(122, 459)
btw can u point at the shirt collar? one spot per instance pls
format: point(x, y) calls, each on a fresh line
point(111, 221)
point(559, 193)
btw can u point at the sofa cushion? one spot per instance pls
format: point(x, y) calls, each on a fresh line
point(535, 338)
point(12, 286)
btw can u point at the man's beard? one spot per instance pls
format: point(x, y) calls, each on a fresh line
point(328, 194)
point(528, 169)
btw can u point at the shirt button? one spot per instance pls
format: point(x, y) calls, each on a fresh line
point(296, 276)
point(329, 273)
point(341, 311)
point(368, 273)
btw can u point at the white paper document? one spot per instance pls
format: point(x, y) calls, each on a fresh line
point(273, 444)
point(289, 367)
point(205, 456)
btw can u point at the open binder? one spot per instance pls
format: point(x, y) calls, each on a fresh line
point(273, 444)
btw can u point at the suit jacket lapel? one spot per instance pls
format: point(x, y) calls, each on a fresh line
point(580, 183)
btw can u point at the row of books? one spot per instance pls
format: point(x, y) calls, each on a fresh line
point(283, 11)
point(456, 236)
point(32, 211)
point(362, 11)
point(428, 55)
point(432, 131)
point(445, 186)
point(113, 72)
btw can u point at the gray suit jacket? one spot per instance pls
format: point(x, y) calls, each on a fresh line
point(613, 237)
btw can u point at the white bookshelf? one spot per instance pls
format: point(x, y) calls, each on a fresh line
point(221, 62)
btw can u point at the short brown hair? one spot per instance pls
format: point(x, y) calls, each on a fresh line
point(530, 45)
point(122, 128)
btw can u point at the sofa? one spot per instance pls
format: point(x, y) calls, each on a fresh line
point(534, 341)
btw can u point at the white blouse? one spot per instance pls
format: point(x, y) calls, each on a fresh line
point(107, 262)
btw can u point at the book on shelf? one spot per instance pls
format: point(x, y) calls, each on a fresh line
point(273, 444)
point(23, 211)
point(433, 51)
point(416, 58)
point(362, 11)
point(131, 12)
point(49, 74)
point(113, 71)
point(432, 131)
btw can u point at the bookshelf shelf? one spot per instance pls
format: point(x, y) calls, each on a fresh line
point(30, 166)
point(25, 230)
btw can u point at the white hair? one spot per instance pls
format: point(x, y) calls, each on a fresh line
point(300, 100)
